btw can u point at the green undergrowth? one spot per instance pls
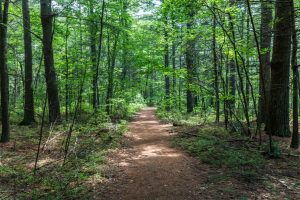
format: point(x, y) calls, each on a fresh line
point(178, 118)
point(93, 137)
point(213, 146)
point(83, 167)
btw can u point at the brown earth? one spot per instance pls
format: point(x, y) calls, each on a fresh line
point(149, 168)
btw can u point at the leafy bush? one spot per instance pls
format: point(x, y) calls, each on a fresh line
point(120, 108)
point(123, 109)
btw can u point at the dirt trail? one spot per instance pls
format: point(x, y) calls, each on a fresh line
point(148, 168)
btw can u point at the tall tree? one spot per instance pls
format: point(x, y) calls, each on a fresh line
point(232, 68)
point(29, 103)
point(166, 59)
point(50, 74)
point(295, 135)
point(190, 55)
point(4, 71)
point(216, 69)
point(265, 46)
point(280, 69)
point(93, 49)
point(112, 56)
point(125, 42)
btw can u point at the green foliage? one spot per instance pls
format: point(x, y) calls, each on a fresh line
point(274, 151)
point(177, 117)
point(92, 139)
point(122, 109)
point(212, 147)
point(6, 171)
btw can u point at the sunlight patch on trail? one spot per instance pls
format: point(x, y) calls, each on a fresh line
point(147, 122)
point(156, 151)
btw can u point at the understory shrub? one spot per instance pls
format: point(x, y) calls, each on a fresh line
point(213, 147)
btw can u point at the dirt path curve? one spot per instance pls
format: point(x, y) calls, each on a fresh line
point(148, 168)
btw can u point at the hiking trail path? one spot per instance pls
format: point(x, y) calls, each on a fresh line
point(149, 168)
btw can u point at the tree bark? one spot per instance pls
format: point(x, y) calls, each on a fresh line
point(99, 52)
point(4, 71)
point(280, 69)
point(166, 60)
point(167, 77)
point(50, 74)
point(93, 50)
point(216, 71)
point(295, 135)
point(265, 46)
point(190, 58)
point(174, 93)
point(111, 67)
point(67, 93)
point(29, 102)
point(232, 71)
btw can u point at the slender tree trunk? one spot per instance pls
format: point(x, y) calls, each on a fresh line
point(216, 71)
point(67, 94)
point(180, 83)
point(93, 49)
point(111, 64)
point(125, 44)
point(226, 93)
point(167, 77)
point(239, 73)
point(232, 73)
point(190, 60)
point(29, 102)
point(4, 71)
point(248, 61)
point(50, 74)
point(166, 61)
point(231, 88)
point(174, 73)
point(295, 135)
point(280, 67)
point(99, 51)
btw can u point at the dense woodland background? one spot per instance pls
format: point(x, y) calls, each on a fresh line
point(71, 69)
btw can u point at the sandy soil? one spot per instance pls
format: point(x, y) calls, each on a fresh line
point(149, 168)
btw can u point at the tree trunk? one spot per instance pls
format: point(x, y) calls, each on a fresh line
point(232, 71)
point(125, 42)
point(67, 93)
point(99, 52)
point(29, 103)
point(280, 69)
point(4, 71)
point(265, 46)
point(231, 88)
point(93, 50)
point(190, 59)
point(295, 135)
point(174, 74)
point(166, 60)
point(111, 64)
point(216, 71)
point(50, 74)
point(167, 77)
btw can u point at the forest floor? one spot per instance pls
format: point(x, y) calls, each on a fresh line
point(149, 167)
point(154, 160)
